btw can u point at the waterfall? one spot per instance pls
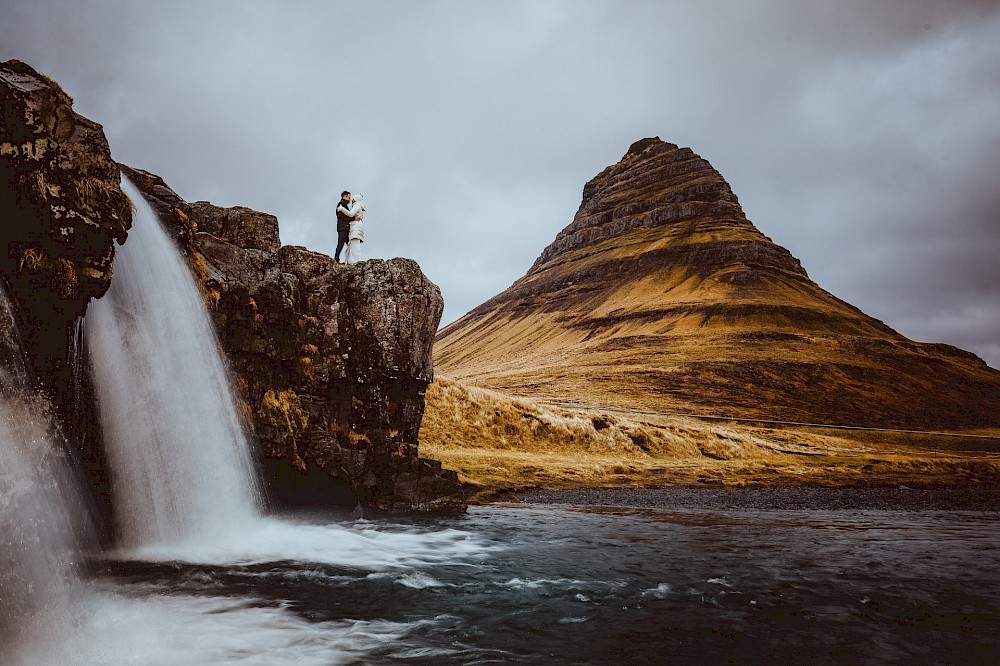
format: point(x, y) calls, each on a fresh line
point(181, 467)
point(37, 540)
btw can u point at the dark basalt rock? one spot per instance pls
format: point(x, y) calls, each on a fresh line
point(331, 361)
point(240, 226)
point(61, 210)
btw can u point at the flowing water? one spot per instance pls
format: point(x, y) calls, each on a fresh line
point(565, 585)
point(39, 522)
point(181, 464)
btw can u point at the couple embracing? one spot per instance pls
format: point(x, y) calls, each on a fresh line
point(350, 231)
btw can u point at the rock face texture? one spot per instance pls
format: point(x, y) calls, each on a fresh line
point(331, 361)
point(661, 295)
point(61, 209)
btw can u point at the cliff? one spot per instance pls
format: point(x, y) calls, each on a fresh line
point(661, 295)
point(331, 361)
point(61, 211)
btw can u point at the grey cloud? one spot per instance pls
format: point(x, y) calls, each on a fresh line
point(862, 136)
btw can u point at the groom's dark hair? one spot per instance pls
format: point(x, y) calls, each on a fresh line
point(343, 193)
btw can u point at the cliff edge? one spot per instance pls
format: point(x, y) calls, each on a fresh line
point(331, 361)
point(61, 212)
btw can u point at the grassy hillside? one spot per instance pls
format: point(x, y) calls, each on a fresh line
point(499, 443)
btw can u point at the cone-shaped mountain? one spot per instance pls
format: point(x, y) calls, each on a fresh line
point(662, 295)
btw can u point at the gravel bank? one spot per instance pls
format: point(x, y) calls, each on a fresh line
point(977, 498)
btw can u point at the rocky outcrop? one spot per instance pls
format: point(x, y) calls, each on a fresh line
point(661, 295)
point(331, 361)
point(61, 209)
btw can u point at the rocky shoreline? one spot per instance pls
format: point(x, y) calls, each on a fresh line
point(972, 498)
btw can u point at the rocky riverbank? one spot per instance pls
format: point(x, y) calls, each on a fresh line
point(972, 498)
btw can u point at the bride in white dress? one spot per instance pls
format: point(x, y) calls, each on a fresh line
point(356, 234)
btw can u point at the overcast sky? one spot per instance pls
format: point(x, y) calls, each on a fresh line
point(862, 135)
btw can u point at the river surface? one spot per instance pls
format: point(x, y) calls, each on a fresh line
point(538, 584)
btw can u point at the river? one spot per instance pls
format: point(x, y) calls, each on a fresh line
point(537, 584)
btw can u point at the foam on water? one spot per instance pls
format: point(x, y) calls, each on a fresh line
point(661, 591)
point(112, 629)
point(520, 583)
point(360, 545)
point(418, 581)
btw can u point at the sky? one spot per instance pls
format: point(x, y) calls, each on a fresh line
point(862, 135)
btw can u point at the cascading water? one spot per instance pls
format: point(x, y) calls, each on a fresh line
point(181, 466)
point(37, 542)
point(48, 615)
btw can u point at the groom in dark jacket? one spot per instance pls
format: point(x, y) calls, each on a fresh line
point(343, 223)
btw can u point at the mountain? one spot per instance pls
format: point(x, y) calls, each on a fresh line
point(661, 295)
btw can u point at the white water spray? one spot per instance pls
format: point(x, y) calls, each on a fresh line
point(181, 467)
point(183, 489)
point(37, 541)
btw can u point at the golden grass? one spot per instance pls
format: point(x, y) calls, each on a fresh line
point(500, 443)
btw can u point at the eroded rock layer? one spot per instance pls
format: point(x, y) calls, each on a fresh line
point(661, 295)
point(331, 361)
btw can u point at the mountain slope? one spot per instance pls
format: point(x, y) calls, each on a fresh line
point(661, 295)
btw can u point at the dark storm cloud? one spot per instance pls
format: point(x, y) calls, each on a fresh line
point(862, 136)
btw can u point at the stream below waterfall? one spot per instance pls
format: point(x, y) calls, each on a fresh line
point(558, 584)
